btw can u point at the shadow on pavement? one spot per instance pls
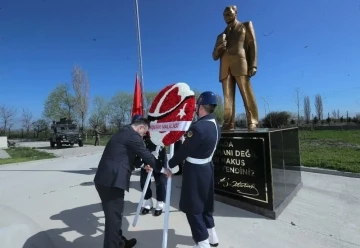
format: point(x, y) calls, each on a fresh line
point(83, 222)
point(221, 209)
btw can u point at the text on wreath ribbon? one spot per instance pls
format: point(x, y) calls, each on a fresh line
point(170, 126)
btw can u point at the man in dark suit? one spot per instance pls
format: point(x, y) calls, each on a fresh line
point(113, 177)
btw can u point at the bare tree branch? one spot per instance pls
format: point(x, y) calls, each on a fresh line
point(307, 109)
point(334, 114)
point(26, 120)
point(297, 98)
point(81, 87)
point(7, 117)
point(319, 106)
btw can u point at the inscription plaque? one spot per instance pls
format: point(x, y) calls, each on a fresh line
point(240, 168)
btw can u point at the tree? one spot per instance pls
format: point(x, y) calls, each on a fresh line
point(334, 114)
point(120, 108)
point(81, 86)
point(99, 112)
point(39, 126)
point(26, 120)
point(240, 120)
point(60, 103)
point(219, 110)
point(307, 109)
point(276, 119)
point(297, 99)
point(328, 120)
point(149, 96)
point(7, 117)
point(319, 106)
point(315, 120)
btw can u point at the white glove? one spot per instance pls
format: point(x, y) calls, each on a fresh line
point(173, 170)
point(182, 138)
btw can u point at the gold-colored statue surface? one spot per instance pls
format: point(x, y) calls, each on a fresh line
point(237, 50)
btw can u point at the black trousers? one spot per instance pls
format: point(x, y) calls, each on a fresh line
point(160, 181)
point(112, 200)
point(199, 223)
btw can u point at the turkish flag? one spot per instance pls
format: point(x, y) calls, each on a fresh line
point(137, 108)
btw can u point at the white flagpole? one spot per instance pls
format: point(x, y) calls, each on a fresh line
point(140, 55)
point(167, 205)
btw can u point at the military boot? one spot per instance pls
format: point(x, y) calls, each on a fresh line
point(213, 238)
point(128, 243)
point(203, 244)
point(147, 206)
point(159, 208)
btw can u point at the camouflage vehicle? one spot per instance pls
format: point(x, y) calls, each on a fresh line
point(65, 132)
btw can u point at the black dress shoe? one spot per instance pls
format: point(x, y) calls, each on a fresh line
point(145, 211)
point(128, 243)
point(157, 212)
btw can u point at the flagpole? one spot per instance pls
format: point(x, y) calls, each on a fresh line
point(140, 55)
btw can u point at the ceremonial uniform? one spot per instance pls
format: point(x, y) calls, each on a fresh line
point(160, 180)
point(197, 193)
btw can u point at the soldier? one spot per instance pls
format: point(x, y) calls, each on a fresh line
point(97, 136)
point(160, 178)
point(197, 193)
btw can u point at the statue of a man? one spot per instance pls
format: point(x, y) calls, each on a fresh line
point(236, 48)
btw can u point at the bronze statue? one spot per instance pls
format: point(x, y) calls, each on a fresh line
point(237, 50)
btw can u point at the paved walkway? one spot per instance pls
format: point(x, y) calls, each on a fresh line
point(54, 204)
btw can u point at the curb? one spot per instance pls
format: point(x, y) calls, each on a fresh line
point(330, 172)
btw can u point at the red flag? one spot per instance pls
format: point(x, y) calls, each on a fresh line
point(137, 108)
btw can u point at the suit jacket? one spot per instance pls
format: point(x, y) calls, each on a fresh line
point(241, 53)
point(161, 162)
point(117, 161)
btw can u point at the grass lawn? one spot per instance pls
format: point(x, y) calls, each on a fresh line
point(338, 150)
point(330, 149)
point(24, 154)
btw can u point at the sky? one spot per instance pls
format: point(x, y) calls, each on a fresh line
point(310, 45)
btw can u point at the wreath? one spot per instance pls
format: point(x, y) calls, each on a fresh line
point(171, 114)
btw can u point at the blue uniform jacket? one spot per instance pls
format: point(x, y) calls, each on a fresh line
point(197, 192)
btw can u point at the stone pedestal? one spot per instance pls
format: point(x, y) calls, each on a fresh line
point(258, 171)
point(3, 142)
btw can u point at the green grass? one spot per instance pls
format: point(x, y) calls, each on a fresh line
point(24, 154)
point(330, 149)
point(337, 150)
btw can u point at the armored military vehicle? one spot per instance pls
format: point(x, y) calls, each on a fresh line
point(65, 132)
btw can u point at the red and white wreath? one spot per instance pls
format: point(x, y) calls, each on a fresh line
point(171, 114)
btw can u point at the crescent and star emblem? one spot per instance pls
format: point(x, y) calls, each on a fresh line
point(182, 112)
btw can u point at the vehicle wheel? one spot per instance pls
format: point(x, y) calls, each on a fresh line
point(58, 145)
point(81, 144)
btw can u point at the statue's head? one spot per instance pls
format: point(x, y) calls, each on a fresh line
point(230, 14)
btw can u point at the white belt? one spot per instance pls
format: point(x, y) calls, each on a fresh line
point(205, 160)
point(199, 160)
